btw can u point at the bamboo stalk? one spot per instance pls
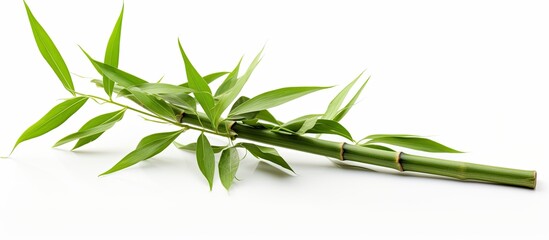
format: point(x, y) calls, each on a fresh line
point(398, 161)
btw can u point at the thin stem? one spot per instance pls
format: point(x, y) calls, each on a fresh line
point(152, 115)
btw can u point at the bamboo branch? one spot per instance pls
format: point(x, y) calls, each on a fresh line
point(408, 162)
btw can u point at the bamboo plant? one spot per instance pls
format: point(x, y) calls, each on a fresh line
point(193, 105)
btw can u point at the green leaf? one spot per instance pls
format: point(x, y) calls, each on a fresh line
point(113, 52)
point(208, 78)
point(213, 76)
point(375, 146)
point(350, 104)
point(50, 53)
point(53, 119)
point(159, 88)
point(229, 81)
point(153, 104)
point(92, 129)
point(124, 79)
point(226, 97)
point(183, 101)
point(273, 98)
point(374, 136)
point(202, 93)
point(336, 103)
point(263, 114)
point(311, 124)
point(270, 155)
point(191, 147)
point(228, 165)
point(330, 127)
point(416, 143)
point(147, 148)
point(296, 123)
point(205, 158)
point(231, 87)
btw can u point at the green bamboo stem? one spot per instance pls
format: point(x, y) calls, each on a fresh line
point(398, 161)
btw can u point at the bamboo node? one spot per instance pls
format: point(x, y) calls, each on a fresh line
point(180, 116)
point(397, 162)
point(230, 130)
point(341, 151)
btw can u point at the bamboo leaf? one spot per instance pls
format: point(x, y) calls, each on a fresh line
point(263, 114)
point(330, 127)
point(208, 78)
point(312, 124)
point(202, 93)
point(268, 154)
point(159, 88)
point(350, 104)
point(273, 98)
point(153, 104)
point(191, 147)
point(336, 103)
point(147, 148)
point(375, 146)
point(416, 143)
point(228, 165)
point(229, 81)
point(53, 119)
point(229, 90)
point(214, 76)
point(113, 52)
point(183, 101)
point(49, 52)
point(92, 129)
point(374, 136)
point(122, 78)
point(205, 158)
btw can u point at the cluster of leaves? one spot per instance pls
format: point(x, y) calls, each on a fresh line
point(167, 103)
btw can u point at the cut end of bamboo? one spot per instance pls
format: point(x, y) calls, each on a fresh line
point(535, 180)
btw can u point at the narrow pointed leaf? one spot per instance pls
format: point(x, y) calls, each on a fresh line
point(326, 126)
point(374, 136)
point(160, 88)
point(380, 147)
point(205, 158)
point(191, 147)
point(268, 154)
point(202, 92)
point(228, 165)
point(296, 123)
point(416, 143)
point(147, 148)
point(336, 103)
point(122, 78)
point(53, 119)
point(263, 114)
point(307, 125)
point(92, 129)
point(214, 76)
point(208, 78)
point(153, 104)
point(229, 81)
point(183, 101)
point(85, 133)
point(273, 98)
point(311, 124)
point(49, 52)
point(112, 53)
point(226, 97)
point(350, 104)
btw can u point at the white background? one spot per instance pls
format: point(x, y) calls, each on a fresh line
point(471, 74)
